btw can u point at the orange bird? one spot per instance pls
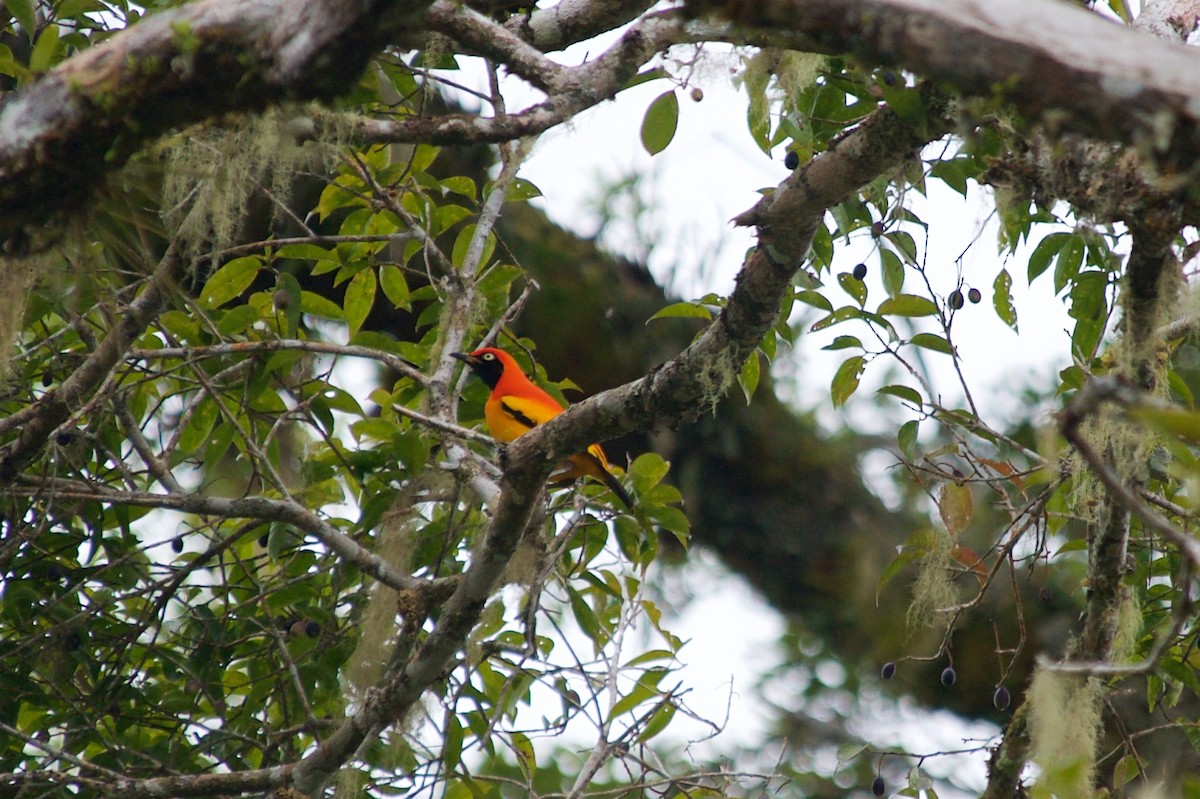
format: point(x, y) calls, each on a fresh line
point(517, 405)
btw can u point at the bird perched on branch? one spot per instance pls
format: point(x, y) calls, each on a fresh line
point(517, 405)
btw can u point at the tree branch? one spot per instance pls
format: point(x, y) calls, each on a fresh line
point(569, 90)
point(264, 508)
point(1055, 62)
point(66, 131)
point(786, 222)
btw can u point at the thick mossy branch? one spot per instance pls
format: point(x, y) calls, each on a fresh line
point(1150, 287)
point(1064, 732)
point(60, 136)
point(1058, 64)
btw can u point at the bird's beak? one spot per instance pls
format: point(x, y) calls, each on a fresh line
point(467, 358)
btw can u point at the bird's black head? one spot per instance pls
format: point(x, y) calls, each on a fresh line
point(488, 363)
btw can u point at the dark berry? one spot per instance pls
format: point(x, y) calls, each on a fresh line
point(56, 574)
point(312, 629)
point(876, 229)
point(263, 540)
point(697, 94)
point(879, 787)
point(1001, 698)
point(974, 296)
point(792, 159)
point(888, 77)
point(282, 300)
point(949, 676)
point(888, 671)
point(177, 544)
point(47, 380)
point(860, 271)
point(297, 629)
point(1044, 594)
point(73, 642)
point(64, 437)
point(955, 300)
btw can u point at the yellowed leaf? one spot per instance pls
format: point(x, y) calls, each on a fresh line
point(971, 561)
point(1006, 469)
point(956, 507)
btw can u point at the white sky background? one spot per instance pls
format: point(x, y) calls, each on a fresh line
point(711, 172)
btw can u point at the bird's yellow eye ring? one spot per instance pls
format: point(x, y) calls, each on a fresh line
point(487, 356)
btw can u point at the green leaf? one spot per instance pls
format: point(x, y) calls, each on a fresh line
point(1002, 299)
point(198, 426)
point(639, 694)
point(658, 721)
point(952, 172)
point(906, 393)
point(748, 376)
point(903, 242)
point(521, 189)
point(360, 297)
point(235, 320)
point(847, 752)
point(1066, 266)
point(306, 252)
point(844, 342)
point(395, 287)
point(893, 271)
point(585, 617)
point(932, 341)
point(691, 310)
point(230, 281)
point(316, 305)
point(1177, 422)
point(896, 566)
point(523, 748)
point(9, 65)
point(463, 243)
point(645, 77)
point(837, 317)
point(907, 305)
point(845, 381)
point(453, 744)
point(45, 50)
point(660, 122)
point(647, 471)
point(906, 102)
point(22, 11)
point(1046, 249)
point(854, 287)
point(651, 656)
point(815, 300)
point(1181, 388)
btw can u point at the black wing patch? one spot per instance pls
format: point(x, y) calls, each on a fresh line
point(515, 413)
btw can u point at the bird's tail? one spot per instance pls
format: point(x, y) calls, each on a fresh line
point(594, 465)
point(614, 485)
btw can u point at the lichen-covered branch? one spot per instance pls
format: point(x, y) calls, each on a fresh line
point(1056, 63)
point(60, 136)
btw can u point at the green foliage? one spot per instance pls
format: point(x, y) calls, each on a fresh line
point(191, 551)
point(660, 122)
point(148, 628)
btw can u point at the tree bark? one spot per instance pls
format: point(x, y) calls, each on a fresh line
point(1056, 63)
point(63, 134)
